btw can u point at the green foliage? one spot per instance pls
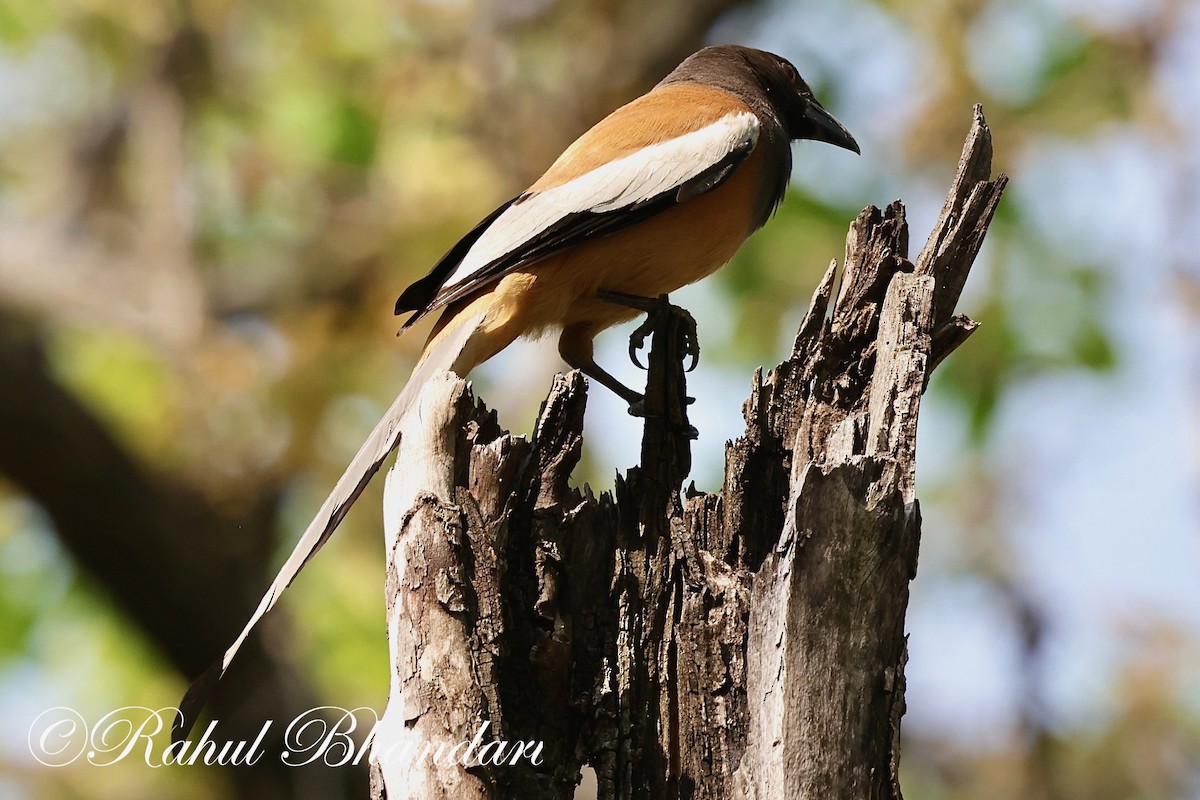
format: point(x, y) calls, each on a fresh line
point(23, 22)
point(35, 575)
point(772, 277)
point(125, 381)
point(354, 141)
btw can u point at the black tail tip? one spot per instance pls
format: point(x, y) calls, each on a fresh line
point(193, 702)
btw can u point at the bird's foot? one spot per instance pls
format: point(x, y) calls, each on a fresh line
point(654, 307)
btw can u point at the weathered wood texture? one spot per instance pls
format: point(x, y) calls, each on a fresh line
point(748, 643)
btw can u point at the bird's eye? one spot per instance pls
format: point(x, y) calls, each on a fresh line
point(790, 73)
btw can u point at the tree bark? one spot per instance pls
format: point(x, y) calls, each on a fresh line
point(747, 643)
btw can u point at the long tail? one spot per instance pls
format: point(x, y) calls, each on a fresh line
point(442, 355)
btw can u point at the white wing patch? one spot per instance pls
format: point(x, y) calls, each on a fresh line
point(618, 184)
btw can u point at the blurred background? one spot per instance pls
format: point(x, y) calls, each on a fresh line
point(208, 207)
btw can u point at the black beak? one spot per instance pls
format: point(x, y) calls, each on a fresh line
point(820, 126)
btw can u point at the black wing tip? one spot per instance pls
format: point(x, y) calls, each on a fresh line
point(194, 701)
point(406, 301)
point(421, 294)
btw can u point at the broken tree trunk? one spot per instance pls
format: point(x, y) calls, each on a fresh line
point(748, 643)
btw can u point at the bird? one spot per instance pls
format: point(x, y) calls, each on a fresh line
point(657, 195)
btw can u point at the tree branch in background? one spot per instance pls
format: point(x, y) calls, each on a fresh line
point(182, 572)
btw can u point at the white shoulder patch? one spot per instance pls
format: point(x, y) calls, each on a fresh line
point(618, 184)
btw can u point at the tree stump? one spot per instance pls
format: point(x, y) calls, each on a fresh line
point(747, 643)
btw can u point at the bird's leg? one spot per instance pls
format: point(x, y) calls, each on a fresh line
point(637, 402)
point(653, 306)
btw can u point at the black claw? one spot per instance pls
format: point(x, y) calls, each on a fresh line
point(637, 340)
point(691, 341)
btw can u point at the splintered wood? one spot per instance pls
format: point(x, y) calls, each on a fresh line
point(746, 643)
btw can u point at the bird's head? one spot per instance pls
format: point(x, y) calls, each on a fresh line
point(756, 75)
point(802, 115)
